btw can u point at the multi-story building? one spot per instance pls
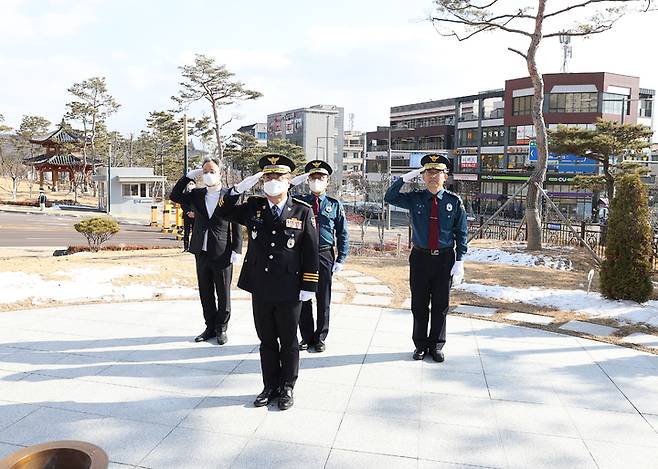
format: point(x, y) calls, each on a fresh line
point(491, 138)
point(353, 151)
point(257, 130)
point(317, 129)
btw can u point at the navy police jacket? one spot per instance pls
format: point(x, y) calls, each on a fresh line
point(333, 224)
point(452, 216)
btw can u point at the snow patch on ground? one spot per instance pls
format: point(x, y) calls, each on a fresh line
point(498, 256)
point(83, 284)
point(592, 304)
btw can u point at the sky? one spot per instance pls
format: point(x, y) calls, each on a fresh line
point(363, 55)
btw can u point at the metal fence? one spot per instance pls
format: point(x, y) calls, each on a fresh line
point(553, 233)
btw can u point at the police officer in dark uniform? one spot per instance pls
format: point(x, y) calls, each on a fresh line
point(332, 230)
point(280, 270)
point(440, 236)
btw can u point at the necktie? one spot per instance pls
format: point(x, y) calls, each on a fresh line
point(435, 225)
point(275, 212)
point(316, 212)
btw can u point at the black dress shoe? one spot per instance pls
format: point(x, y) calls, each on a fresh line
point(437, 355)
point(320, 347)
point(303, 345)
point(265, 397)
point(205, 335)
point(285, 400)
point(419, 354)
point(222, 338)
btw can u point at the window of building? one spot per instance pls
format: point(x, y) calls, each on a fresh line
point(493, 136)
point(572, 102)
point(614, 103)
point(492, 163)
point(376, 166)
point(521, 135)
point(261, 135)
point(468, 137)
point(645, 107)
point(521, 105)
point(492, 187)
point(516, 161)
point(134, 190)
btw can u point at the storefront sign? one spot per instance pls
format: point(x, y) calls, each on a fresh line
point(465, 177)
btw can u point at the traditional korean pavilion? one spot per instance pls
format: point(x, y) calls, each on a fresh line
point(63, 154)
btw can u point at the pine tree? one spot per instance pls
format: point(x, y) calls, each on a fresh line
point(626, 270)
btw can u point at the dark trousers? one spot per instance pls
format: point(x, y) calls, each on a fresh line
point(214, 291)
point(188, 224)
point(310, 334)
point(276, 326)
point(429, 279)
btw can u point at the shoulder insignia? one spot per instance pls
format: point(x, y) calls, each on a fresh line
point(300, 201)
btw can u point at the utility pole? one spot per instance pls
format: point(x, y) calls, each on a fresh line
point(109, 178)
point(185, 149)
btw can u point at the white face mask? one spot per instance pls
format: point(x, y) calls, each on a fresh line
point(275, 187)
point(211, 179)
point(317, 185)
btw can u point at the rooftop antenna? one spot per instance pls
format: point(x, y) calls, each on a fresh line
point(351, 121)
point(567, 50)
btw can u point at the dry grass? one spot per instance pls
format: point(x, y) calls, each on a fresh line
point(23, 193)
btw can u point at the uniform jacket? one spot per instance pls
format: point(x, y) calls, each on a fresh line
point(452, 216)
point(282, 255)
point(333, 224)
point(223, 236)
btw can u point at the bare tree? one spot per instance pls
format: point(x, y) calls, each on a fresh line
point(463, 19)
point(205, 80)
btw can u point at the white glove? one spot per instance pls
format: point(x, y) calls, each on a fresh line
point(457, 273)
point(408, 177)
point(247, 183)
point(306, 295)
point(194, 173)
point(337, 267)
point(235, 257)
point(297, 180)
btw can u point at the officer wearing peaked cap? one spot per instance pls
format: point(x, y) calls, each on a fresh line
point(332, 230)
point(280, 270)
point(439, 235)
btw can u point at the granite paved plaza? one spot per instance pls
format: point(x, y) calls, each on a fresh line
point(129, 378)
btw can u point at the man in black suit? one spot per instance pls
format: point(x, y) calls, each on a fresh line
point(216, 244)
point(280, 270)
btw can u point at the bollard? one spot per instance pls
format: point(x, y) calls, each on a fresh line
point(166, 221)
point(179, 217)
point(154, 215)
point(58, 455)
point(398, 245)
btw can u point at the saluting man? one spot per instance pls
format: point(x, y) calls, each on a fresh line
point(332, 231)
point(216, 245)
point(280, 270)
point(439, 236)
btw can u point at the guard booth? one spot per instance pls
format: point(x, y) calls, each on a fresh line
point(132, 191)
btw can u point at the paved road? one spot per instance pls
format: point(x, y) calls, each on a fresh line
point(25, 230)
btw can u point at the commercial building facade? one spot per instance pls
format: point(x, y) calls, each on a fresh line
point(492, 142)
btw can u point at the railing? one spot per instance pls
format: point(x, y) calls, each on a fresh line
point(553, 233)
